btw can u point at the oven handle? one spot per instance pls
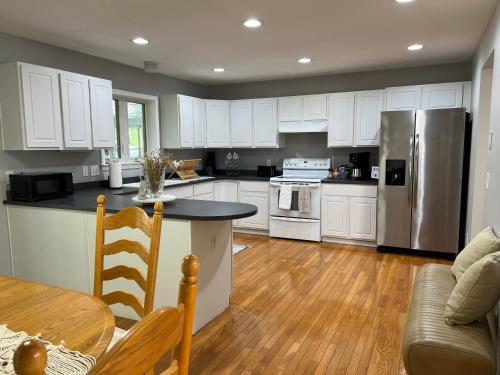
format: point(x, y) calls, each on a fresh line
point(293, 219)
point(312, 186)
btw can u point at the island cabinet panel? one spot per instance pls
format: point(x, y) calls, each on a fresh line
point(218, 123)
point(55, 251)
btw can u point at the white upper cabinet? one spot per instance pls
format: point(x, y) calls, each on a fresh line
point(75, 101)
point(101, 110)
point(341, 120)
point(186, 121)
point(241, 123)
point(42, 107)
point(265, 123)
point(403, 98)
point(315, 108)
point(218, 126)
point(290, 109)
point(442, 95)
point(199, 123)
point(369, 105)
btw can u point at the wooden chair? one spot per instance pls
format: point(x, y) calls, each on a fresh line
point(136, 218)
point(144, 344)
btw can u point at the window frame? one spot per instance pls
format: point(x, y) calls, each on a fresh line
point(152, 126)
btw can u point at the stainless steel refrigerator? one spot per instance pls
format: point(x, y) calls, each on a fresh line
point(420, 192)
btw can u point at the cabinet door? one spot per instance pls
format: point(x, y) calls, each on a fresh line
point(204, 197)
point(341, 124)
point(369, 105)
point(101, 110)
point(241, 123)
point(183, 192)
point(42, 107)
point(290, 109)
point(199, 120)
point(75, 100)
point(403, 98)
point(186, 121)
point(363, 216)
point(218, 128)
point(261, 219)
point(226, 191)
point(446, 95)
point(265, 123)
point(315, 107)
point(335, 216)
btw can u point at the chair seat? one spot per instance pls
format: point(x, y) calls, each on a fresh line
point(431, 346)
point(117, 335)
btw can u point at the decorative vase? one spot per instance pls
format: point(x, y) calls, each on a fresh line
point(155, 182)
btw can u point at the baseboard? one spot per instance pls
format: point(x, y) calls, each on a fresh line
point(258, 232)
point(346, 241)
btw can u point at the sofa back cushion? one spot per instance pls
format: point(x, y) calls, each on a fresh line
point(476, 293)
point(481, 245)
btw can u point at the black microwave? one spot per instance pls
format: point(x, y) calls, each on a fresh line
point(31, 187)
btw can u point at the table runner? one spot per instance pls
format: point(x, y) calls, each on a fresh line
point(61, 361)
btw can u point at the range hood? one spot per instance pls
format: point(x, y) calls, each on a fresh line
point(303, 126)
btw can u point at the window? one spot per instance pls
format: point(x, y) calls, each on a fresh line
point(136, 126)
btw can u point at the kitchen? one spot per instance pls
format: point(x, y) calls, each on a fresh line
point(300, 160)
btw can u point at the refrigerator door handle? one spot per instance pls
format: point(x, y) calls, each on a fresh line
point(415, 167)
point(410, 170)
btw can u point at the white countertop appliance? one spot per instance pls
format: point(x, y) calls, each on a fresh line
point(302, 219)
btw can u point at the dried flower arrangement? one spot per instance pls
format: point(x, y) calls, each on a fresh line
point(154, 164)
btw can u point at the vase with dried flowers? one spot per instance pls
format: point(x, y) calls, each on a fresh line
point(154, 164)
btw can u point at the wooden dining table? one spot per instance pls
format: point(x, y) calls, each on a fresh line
point(83, 322)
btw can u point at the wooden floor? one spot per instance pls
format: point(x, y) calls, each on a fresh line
point(307, 308)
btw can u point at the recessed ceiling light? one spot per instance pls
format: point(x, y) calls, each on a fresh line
point(218, 70)
point(140, 40)
point(405, 1)
point(252, 23)
point(305, 60)
point(415, 47)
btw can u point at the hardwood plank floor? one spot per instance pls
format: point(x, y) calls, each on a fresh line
point(308, 308)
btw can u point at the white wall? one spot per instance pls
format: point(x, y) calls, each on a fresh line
point(491, 205)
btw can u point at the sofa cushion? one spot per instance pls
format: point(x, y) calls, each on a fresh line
point(476, 293)
point(432, 347)
point(484, 243)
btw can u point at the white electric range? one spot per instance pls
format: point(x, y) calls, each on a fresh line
point(294, 223)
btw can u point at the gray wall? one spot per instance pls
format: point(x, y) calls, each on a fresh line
point(344, 82)
point(489, 44)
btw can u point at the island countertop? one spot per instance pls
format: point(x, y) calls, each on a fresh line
point(116, 200)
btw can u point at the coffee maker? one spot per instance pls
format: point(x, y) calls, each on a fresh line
point(360, 162)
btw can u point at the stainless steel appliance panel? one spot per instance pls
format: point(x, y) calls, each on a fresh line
point(395, 198)
point(438, 162)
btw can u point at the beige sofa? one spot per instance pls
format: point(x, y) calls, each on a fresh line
point(430, 346)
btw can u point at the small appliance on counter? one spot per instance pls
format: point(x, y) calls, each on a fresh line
point(210, 163)
point(266, 171)
point(360, 165)
point(115, 175)
point(375, 173)
point(39, 186)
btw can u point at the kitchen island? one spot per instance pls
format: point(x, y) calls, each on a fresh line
point(53, 242)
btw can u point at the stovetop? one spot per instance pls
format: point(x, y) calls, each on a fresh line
point(304, 170)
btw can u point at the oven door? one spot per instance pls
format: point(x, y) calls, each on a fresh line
point(314, 212)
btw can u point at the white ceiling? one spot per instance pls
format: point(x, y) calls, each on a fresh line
point(189, 37)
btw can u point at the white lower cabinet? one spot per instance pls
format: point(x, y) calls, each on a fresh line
point(256, 193)
point(349, 212)
point(204, 192)
point(363, 216)
point(183, 192)
point(335, 216)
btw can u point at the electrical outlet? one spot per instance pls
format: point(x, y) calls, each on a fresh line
point(94, 170)
point(487, 180)
point(85, 171)
point(213, 244)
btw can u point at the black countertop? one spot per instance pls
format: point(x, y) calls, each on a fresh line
point(347, 181)
point(116, 200)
